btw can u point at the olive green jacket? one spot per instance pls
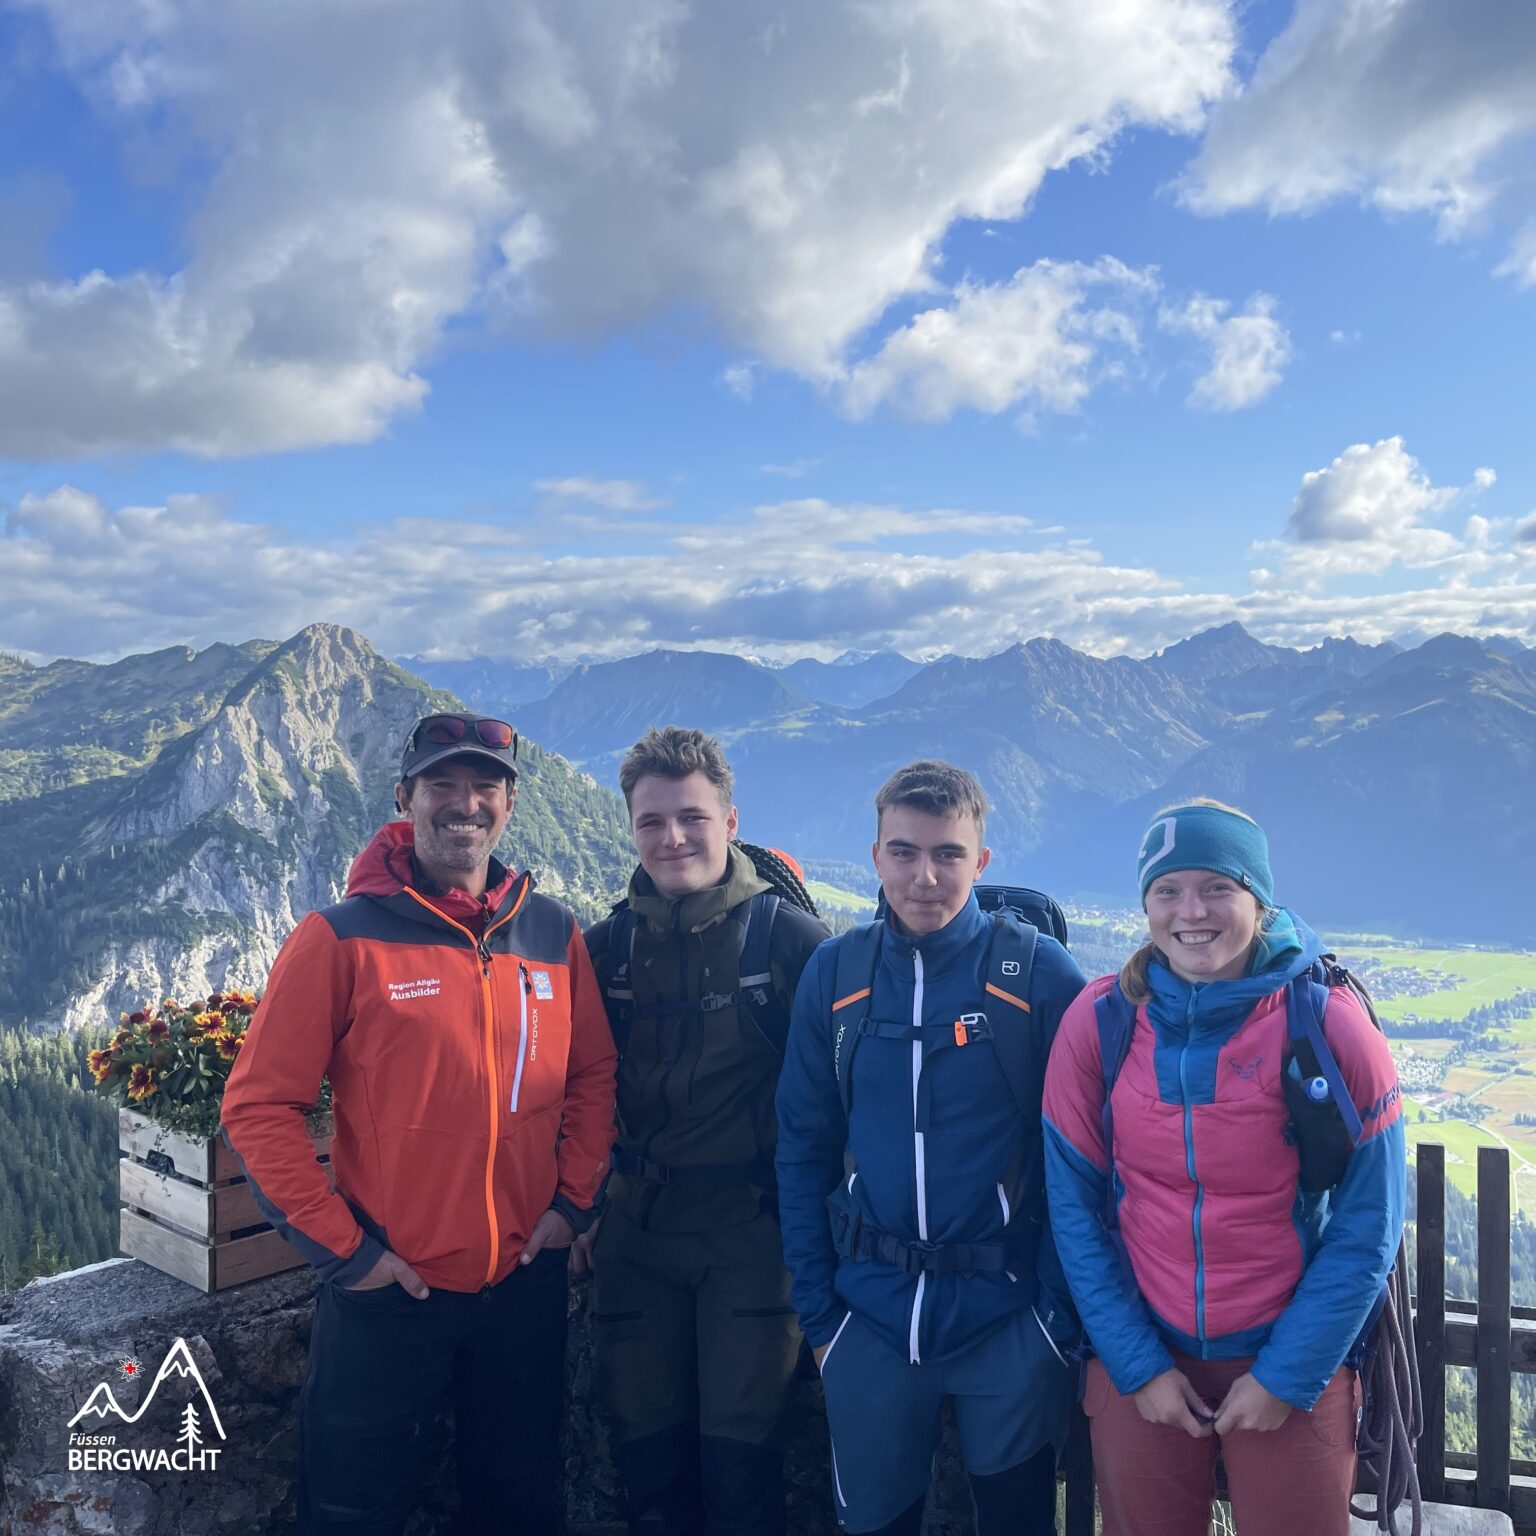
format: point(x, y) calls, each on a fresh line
point(697, 1087)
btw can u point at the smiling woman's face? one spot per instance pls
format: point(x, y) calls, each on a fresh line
point(1203, 922)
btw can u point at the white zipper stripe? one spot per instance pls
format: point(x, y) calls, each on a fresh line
point(1049, 1340)
point(522, 1033)
point(919, 1152)
point(837, 1482)
point(919, 1156)
point(835, 1337)
point(1003, 1201)
point(914, 1355)
point(917, 1073)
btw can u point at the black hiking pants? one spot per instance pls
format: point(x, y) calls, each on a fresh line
point(696, 1348)
point(382, 1367)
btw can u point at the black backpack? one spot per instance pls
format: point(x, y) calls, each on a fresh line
point(754, 984)
point(1019, 917)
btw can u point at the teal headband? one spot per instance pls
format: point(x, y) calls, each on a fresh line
point(1206, 837)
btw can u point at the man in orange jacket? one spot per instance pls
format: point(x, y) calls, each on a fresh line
point(472, 1072)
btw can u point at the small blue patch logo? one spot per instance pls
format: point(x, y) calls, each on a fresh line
point(542, 986)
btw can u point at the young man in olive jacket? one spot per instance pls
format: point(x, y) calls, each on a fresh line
point(697, 1339)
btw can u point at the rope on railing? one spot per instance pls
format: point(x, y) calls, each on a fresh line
point(1393, 1417)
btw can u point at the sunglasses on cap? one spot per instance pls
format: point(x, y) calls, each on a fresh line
point(444, 730)
point(437, 737)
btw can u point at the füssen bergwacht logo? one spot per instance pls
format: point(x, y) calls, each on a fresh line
point(98, 1452)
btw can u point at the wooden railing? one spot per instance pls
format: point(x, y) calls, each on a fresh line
point(1448, 1333)
point(1451, 1332)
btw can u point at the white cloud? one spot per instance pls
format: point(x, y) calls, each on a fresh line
point(614, 495)
point(1031, 341)
point(741, 379)
point(796, 469)
point(79, 577)
point(1371, 509)
point(1521, 261)
point(1248, 351)
point(361, 175)
point(1408, 105)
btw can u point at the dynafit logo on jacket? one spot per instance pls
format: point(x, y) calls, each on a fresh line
point(92, 1451)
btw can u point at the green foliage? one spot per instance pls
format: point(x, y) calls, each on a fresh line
point(58, 1147)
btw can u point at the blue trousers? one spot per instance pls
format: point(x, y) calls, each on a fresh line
point(1011, 1395)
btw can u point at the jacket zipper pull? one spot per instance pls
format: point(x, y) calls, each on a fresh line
point(484, 951)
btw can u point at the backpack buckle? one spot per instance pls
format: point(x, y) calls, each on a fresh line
point(970, 1027)
point(713, 1002)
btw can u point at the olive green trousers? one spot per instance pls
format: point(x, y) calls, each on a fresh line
point(697, 1345)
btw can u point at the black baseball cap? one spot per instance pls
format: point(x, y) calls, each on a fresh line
point(458, 734)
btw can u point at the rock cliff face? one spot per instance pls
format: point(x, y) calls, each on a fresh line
point(188, 875)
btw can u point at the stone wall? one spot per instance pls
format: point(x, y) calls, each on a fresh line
point(61, 1338)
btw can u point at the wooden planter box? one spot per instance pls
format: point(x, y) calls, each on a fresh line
point(188, 1210)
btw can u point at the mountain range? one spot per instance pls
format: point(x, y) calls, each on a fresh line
point(164, 820)
point(1396, 784)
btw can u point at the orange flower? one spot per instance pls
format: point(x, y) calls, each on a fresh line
point(100, 1063)
point(141, 1083)
point(122, 1037)
point(229, 1045)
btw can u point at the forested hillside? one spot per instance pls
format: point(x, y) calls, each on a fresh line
point(58, 1147)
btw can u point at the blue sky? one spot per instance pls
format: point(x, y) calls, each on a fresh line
point(541, 329)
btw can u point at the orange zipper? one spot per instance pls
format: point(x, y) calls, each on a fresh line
point(488, 1039)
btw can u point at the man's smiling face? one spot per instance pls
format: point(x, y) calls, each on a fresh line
point(927, 865)
point(458, 810)
point(682, 832)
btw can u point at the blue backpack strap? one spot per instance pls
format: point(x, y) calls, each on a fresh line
point(1306, 1002)
point(1010, 964)
point(619, 993)
point(858, 953)
point(1116, 1021)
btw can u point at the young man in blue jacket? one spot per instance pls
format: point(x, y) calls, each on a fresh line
point(911, 1189)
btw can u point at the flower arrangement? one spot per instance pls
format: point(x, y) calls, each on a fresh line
point(171, 1062)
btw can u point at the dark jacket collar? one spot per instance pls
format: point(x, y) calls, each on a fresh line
point(697, 910)
point(953, 945)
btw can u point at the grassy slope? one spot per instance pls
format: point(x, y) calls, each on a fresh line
point(1504, 1079)
point(825, 895)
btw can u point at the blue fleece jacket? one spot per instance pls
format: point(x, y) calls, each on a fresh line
point(935, 1137)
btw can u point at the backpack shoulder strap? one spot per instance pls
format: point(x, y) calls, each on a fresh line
point(1115, 1019)
point(1010, 964)
point(858, 953)
point(619, 989)
point(1306, 1003)
point(754, 985)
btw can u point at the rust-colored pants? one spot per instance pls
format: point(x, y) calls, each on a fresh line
point(1155, 1480)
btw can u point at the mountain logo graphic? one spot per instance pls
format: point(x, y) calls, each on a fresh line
point(101, 1405)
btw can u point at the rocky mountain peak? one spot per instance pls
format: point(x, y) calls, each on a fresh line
point(1228, 650)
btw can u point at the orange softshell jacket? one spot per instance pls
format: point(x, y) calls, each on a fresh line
point(471, 1071)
